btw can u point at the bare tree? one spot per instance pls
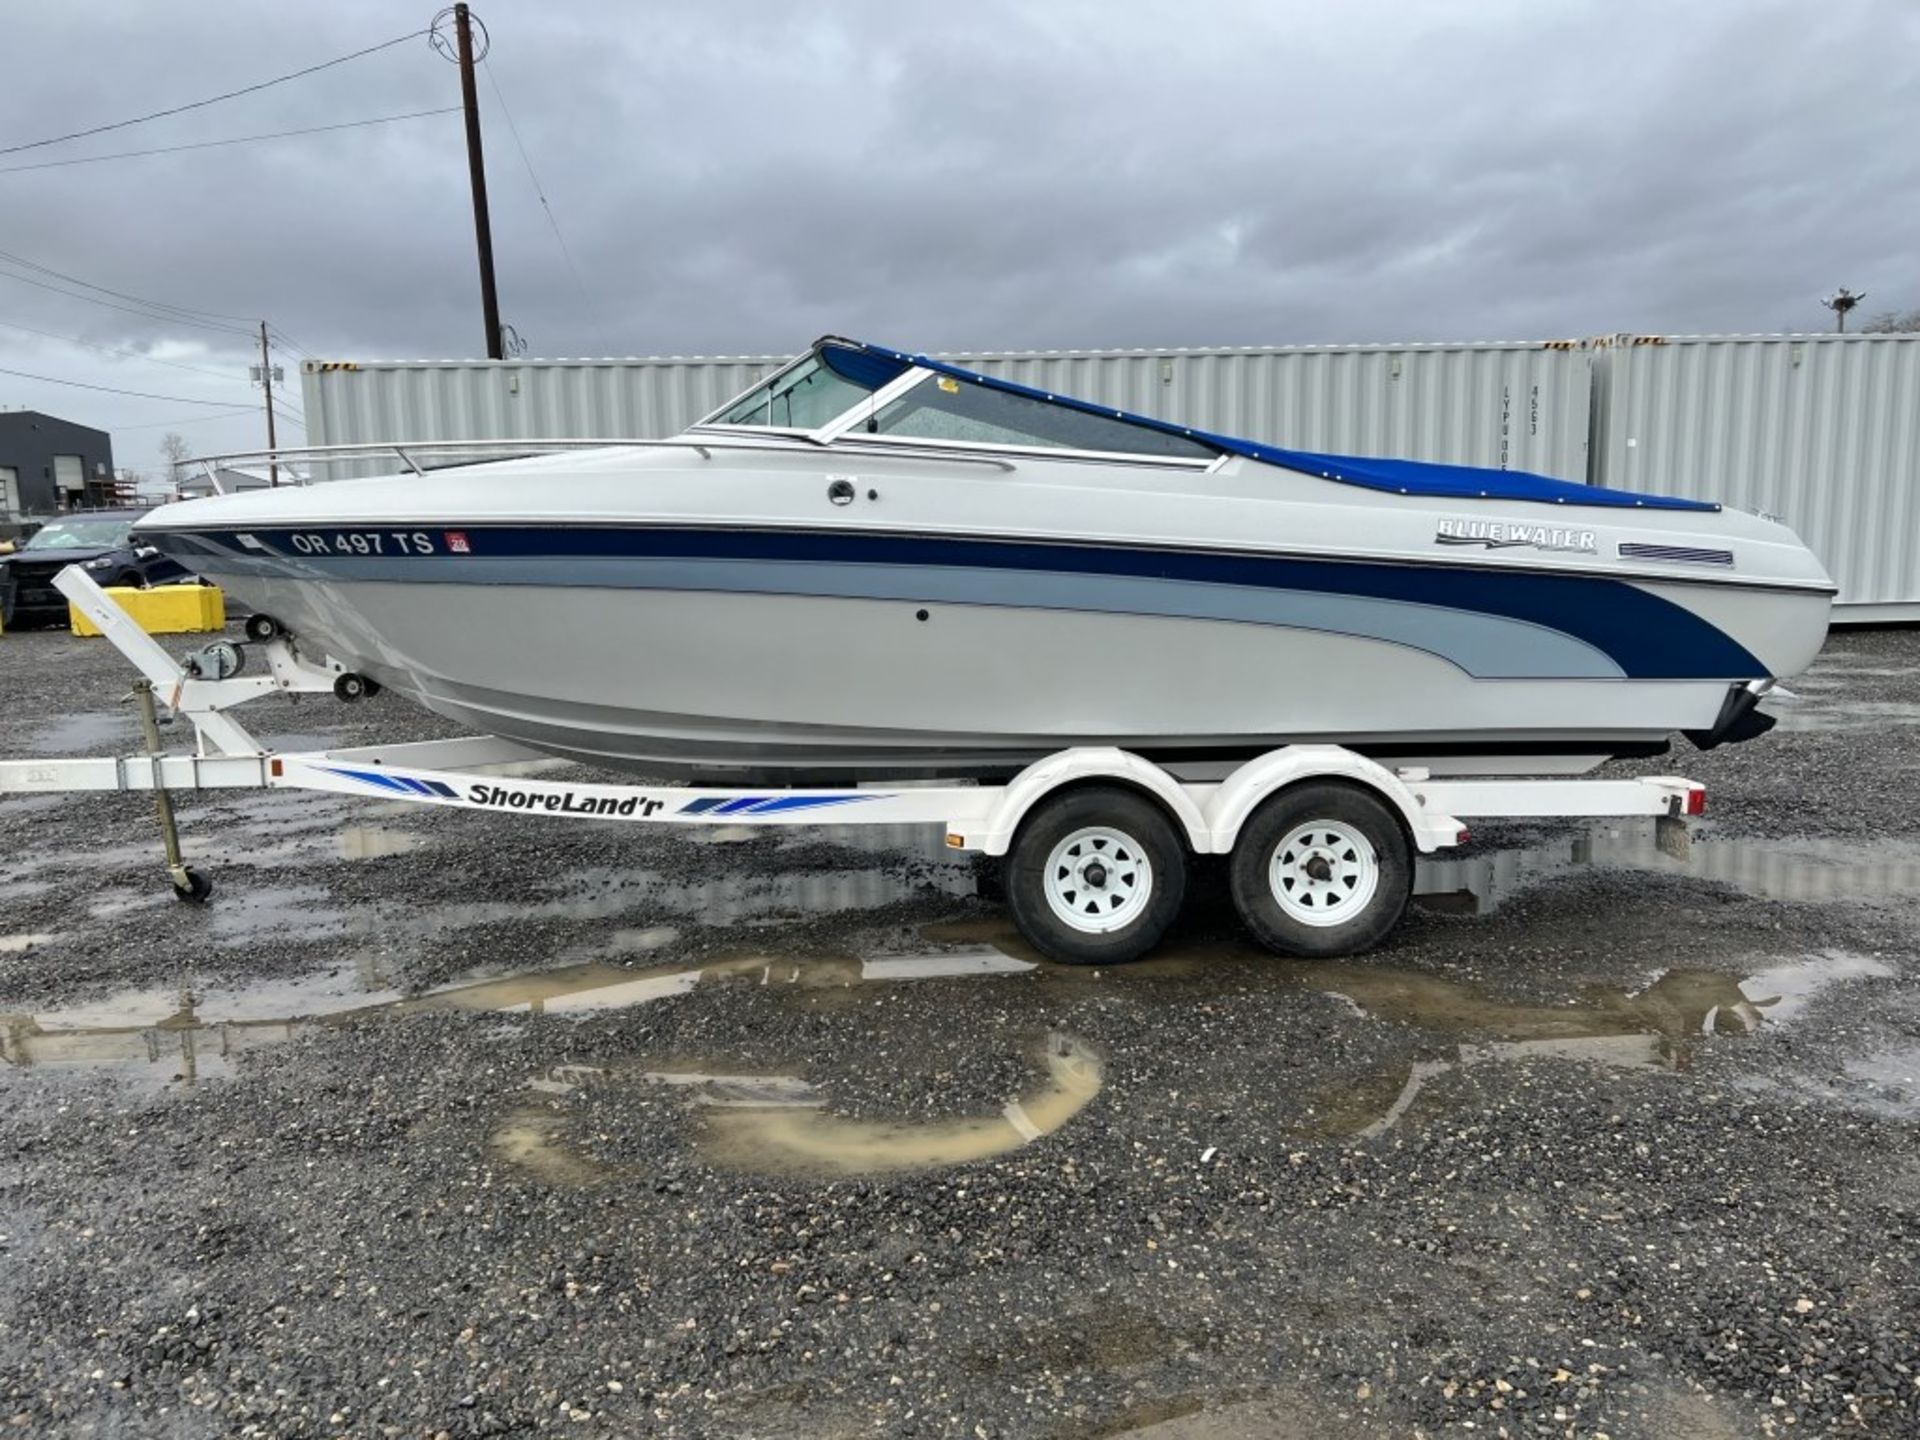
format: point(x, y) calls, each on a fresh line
point(1892, 322)
point(176, 452)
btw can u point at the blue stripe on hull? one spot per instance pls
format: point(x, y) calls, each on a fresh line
point(1491, 623)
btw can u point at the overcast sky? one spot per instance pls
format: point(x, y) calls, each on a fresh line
point(739, 178)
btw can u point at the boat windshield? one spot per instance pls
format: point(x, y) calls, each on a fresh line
point(943, 407)
point(802, 398)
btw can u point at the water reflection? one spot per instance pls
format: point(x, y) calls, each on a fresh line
point(1806, 870)
point(779, 1124)
point(185, 1034)
point(1650, 1029)
point(786, 1139)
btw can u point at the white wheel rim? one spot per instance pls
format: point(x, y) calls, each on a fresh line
point(1324, 873)
point(1098, 880)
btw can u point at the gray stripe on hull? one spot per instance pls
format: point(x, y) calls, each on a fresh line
point(1489, 647)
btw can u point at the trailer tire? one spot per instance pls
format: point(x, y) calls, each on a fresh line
point(1322, 869)
point(1095, 876)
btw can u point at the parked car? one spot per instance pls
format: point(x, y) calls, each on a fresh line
point(102, 541)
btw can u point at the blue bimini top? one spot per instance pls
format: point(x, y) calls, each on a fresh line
point(1401, 477)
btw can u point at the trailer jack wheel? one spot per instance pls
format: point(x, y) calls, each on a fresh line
point(1095, 876)
point(190, 886)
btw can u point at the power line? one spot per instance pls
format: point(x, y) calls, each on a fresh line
point(122, 354)
point(288, 341)
point(147, 314)
point(35, 265)
point(232, 140)
point(111, 389)
point(214, 99)
point(527, 160)
point(189, 420)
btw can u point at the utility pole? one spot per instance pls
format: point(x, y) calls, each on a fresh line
point(1840, 303)
point(476, 165)
point(266, 384)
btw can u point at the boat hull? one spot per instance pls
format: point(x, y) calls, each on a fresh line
point(753, 611)
point(659, 680)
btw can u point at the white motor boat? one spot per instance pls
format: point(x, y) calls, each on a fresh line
point(878, 564)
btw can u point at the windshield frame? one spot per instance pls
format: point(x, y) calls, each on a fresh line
point(843, 427)
point(713, 423)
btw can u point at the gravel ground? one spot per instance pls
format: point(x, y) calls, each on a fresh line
point(431, 1124)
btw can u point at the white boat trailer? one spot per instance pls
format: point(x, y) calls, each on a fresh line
point(1096, 840)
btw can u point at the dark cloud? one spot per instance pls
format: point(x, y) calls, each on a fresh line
point(739, 178)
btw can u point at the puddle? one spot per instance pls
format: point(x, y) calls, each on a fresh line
point(1891, 1079)
point(293, 742)
point(1809, 870)
point(1654, 1026)
point(154, 1029)
point(289, 912)
point(1650, 1029)
point(787, 1139)
point(529, 1141)
point(372, 842)
point(1817, 712)
point(89, 732)
point(724, 898)
point(779, 1124)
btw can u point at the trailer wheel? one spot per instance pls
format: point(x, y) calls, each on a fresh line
point(1322, 869)
point(1095, 876)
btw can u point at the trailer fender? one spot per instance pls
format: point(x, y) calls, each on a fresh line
point(1243, 792)
point(993, 833)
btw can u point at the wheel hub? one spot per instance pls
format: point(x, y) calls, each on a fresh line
point(1324, 873)
point(1098, 880)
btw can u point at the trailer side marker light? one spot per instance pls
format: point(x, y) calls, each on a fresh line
point(1463, 837)
point(1697, 801)
point(954, 842)
point(274, 767)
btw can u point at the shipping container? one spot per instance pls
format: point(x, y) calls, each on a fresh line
point(1821, 430)
point(1515, 406)
point(352, 403)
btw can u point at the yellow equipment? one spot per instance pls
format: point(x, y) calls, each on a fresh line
point(163, 610)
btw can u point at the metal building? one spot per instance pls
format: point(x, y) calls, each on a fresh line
point(1820, 430)
point(48, 465)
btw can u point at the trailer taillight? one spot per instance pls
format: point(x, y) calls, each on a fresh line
point(1697, 800)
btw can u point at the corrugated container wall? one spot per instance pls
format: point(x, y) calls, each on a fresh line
point(350, 403)
point(1820, 430)
point(1509, 406)
point(1513, 406)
